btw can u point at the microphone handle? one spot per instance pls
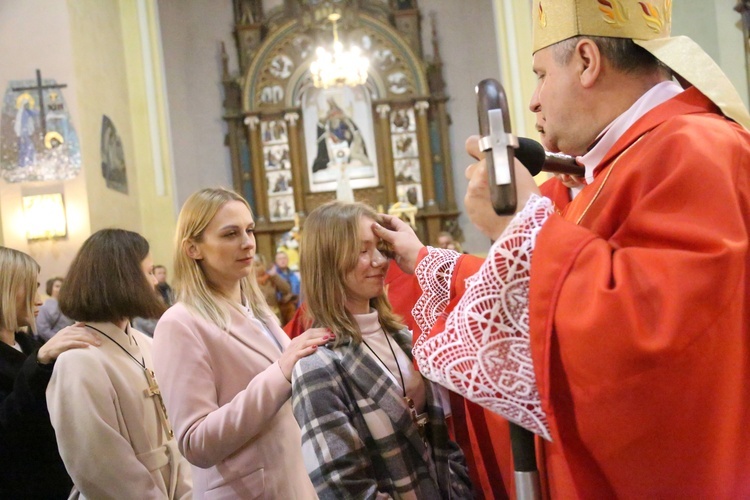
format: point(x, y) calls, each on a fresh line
point(562, 164)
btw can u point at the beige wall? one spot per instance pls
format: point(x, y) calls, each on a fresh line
point(50, 50)
point(95, 47)
point(102, 89)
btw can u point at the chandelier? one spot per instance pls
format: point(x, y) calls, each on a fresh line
point(342, 67)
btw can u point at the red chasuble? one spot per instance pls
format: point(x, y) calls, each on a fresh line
point(640, 315)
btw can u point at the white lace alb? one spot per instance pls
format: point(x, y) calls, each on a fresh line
point(484, 353)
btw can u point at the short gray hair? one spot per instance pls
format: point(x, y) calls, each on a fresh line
point(623, 53)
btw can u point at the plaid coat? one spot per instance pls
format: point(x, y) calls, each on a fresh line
point(336, 392)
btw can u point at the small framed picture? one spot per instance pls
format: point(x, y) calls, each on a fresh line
point(281, 207)
point(405, 145)
point(407, 171)
point(410, 193)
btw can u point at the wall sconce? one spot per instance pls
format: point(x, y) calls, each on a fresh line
point(45, 216)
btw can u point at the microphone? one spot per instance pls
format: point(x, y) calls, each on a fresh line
point(536, 159)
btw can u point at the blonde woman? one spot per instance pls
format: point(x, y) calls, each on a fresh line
point(372, 426)
point(30, 464)
point(224, 363)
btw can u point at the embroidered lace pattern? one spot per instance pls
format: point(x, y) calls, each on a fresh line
point(484, 354)
point(434, 274)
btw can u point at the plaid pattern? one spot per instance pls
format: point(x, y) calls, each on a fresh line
point(358, 438)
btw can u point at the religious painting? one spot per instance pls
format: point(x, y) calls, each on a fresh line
point(339, 138)
point(272, 94)
point(410, 193)
point(113, 157)
point(39, 142)
point(398, 83)
point(406, 156)
point(279, 182)
point(278, 167)
point(407, 170)
point(276, 157)
point(405, 146)
point(282, 207)
point(402, 120)
point(273, 132)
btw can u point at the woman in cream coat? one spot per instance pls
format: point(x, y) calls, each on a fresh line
point(225, 364)
point(113, 435)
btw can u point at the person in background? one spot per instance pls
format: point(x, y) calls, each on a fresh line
point(275, 289)
point(372, 427)
point(105, 405)
point(50, 319)
point(224, 363)
point(445, 240)
point(160, 272)
point(30, 464)
point(288, 308)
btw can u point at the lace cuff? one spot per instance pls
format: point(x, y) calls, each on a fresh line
point(484, 354)
point(434, 274)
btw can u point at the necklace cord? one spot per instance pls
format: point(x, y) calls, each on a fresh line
point(141, 363)
point(400, 374)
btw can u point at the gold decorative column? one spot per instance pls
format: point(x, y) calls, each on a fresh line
point(430, 212)
point(385, 164)
point(445, 152)
point(257, 162)
point(425, 156)
point(295, 156)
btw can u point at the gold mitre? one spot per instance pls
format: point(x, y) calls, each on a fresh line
point(558, 20)
point(648, 24)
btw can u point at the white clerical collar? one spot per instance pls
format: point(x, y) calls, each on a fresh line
point(658, 94)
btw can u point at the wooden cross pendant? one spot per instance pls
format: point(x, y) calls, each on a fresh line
point(420, 420)
point(154, 392)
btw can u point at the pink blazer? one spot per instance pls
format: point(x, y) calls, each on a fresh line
point(229, 405)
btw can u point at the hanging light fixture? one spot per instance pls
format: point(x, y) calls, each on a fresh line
point(342, 67)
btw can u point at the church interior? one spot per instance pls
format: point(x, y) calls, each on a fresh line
point(115, 111)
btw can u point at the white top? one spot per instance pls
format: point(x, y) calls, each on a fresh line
point(658, 94)
point(377, 343)
point(262, 326)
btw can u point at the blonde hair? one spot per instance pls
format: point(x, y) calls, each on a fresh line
point(19, 272)
point(329, 250)
point(193, 289)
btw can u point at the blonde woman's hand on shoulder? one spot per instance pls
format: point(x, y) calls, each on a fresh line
point(76, 336)
point(302, 346)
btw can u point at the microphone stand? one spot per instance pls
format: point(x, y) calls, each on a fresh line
point(500, 144)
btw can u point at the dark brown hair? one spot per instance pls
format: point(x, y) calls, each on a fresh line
point(106, 282)
point(51, 283)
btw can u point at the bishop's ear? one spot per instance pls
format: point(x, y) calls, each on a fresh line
point(192, 250)
point(589, 59)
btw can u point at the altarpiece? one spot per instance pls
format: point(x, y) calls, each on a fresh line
point(290, 142)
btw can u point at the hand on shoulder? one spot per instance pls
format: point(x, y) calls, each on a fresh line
point(302, 346)
point(76, 336)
